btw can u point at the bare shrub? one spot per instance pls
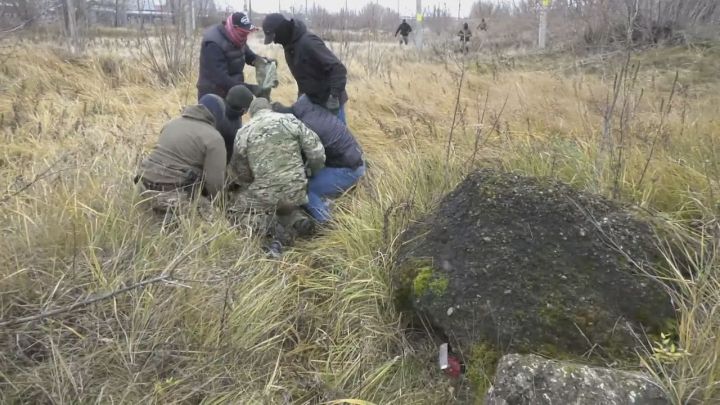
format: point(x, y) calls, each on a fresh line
point(167, 51)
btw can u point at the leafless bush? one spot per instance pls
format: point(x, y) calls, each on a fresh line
point(597, 24)
point(168, 50)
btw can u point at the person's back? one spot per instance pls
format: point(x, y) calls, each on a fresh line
point(273, 145)
point(404, 29)
point(341, 147)
point(318, 72)
point(188, 149)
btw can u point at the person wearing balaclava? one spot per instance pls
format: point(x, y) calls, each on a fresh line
point(223, 55)
point(188, 159)
point(237, 103)
point(318, 72)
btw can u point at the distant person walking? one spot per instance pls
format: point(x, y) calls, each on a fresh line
point(482, 26)
point(224, 54)
point(404, 29)
point(465, 34)
point(318, 72)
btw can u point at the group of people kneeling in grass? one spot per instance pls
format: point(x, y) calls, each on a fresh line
point(280, 168)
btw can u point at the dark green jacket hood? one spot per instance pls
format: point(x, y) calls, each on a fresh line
point(200, 113)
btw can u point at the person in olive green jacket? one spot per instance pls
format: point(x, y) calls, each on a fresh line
point(188, 159)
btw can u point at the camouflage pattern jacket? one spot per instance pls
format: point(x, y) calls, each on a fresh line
point(273, 145)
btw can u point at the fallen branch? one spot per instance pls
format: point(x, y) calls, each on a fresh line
point(40, 176)
point(166, 276)
point(85, 303)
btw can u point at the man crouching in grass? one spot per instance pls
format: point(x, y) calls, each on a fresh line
point(268, 166)
point(188, 160)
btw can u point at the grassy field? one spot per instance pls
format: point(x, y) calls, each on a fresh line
point(206, 317)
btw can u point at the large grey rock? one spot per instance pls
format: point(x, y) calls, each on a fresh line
point(530, 379)
point(527, 265)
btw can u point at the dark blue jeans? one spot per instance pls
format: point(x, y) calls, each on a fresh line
point(329, 182)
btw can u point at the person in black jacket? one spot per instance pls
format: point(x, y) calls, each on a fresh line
point(237, 103)
point(344, 163)
point(318, 72)
point(404, 29)
point(224, 54)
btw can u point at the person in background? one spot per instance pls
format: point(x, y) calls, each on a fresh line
point(344, 163)
point(223, 55)
point(465, 34)
point(272, 146)
point(482, 26)
point(188, 160)
point(404, 29)
point(318, 72)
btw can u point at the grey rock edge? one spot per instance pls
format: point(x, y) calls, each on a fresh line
point(531, 379)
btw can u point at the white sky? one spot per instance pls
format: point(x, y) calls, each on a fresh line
point(407, 7)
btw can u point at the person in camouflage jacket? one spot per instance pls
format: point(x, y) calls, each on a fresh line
point(272, 146)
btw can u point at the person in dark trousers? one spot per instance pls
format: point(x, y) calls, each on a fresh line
point(344, 163)
point(404, 29)
point(224, 54)
point(237, 103)
point(318, 72)
point(465, 35)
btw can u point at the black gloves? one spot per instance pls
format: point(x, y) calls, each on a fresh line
point(279, 107)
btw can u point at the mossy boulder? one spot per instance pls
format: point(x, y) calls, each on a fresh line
point(530, 265)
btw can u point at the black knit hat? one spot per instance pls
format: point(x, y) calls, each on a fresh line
point(239, 98)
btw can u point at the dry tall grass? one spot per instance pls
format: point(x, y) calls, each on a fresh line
point(222, 324)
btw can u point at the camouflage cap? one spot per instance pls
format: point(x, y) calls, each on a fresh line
point(259, 104)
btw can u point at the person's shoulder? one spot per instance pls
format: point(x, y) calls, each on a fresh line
point(313, 39)
point(207, 133)
point(284, 119)
point(210, 33)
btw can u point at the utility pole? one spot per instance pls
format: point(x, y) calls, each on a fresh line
point(419, 19)
point(250, 10)
point(542, 31)
point(72, 26)
point(459, 10)
point(189, 18)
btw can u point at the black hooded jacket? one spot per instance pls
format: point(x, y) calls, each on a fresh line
point(404, 29)
point(317, 71)
point(228, 128)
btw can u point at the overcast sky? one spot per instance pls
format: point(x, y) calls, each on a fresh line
point(407, 7)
